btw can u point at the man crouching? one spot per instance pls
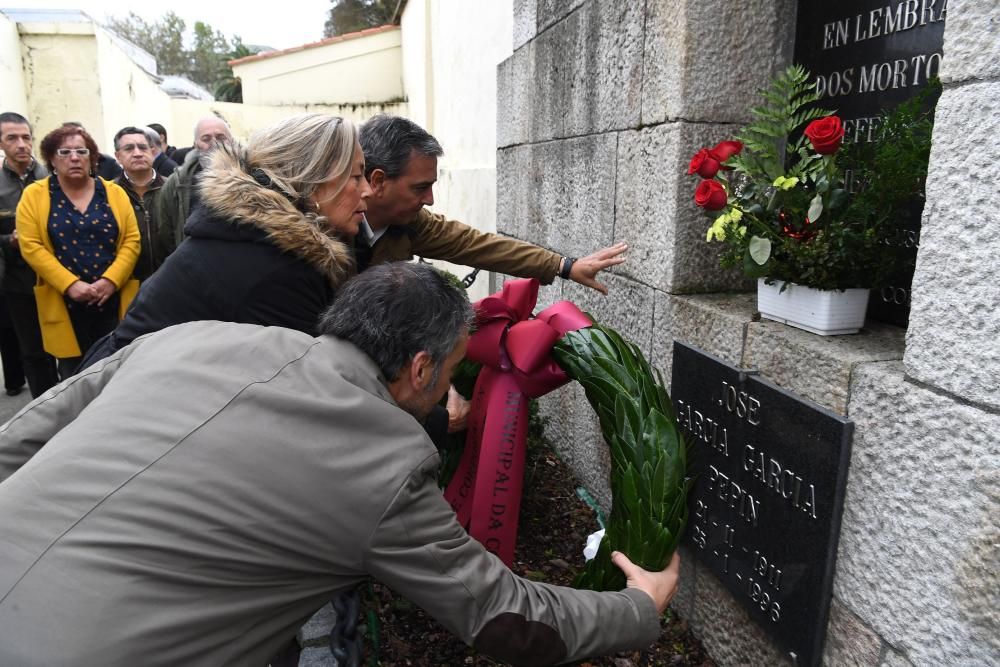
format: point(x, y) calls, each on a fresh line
point(192, 499)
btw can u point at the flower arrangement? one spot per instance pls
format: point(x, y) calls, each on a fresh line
point(780, 200)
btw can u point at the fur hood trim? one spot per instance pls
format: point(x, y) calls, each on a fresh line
point(234, 195)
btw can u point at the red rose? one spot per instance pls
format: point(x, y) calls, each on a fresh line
point(725, 150)
point(704, 164)
point(710, 195)
point(826, 134)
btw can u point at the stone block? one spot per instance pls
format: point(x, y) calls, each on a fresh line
point(971, 47)
point(714, 323)
point(559, 194)
point(917, 558)
point(525, 21)
point(514, 115)
point(953, 341)
point(706, 61)
point(628, 308)
point(817, 367)
point(317, 656)
point(582, 75)
point(550, 12)
point(319, 625)
point(683, 602)
point(655, 211)
point(893, 658)
point(574, 431)
point(848, 640)
point(724, 626)
point(516, 197)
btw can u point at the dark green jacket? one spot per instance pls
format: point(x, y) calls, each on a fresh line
point(174, 203)
point(18, 276)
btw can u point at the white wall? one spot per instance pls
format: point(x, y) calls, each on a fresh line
point(61, 81)
point(244, 119)
point(451, 49)
point(12, 97)
point(128, 95)
point(358, 70)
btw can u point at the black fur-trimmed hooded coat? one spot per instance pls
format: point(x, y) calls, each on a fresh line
point(250, 256)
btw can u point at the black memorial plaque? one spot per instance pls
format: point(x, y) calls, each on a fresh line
point(770, 475)
point(867, 56)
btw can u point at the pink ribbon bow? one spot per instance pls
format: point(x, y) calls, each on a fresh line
point(514, 349)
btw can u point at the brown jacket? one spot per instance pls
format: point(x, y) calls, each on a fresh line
point(432, 236)
point(194, 498)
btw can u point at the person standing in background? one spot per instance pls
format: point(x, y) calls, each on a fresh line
point(134, 150)
point(168, 150)
point(18, 171)
point(79, 234)
point(180, 194)
point(106, 167)
point(162, 163)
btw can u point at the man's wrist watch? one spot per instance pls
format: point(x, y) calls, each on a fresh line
point(567, 266)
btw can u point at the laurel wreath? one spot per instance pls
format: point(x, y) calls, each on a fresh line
point(649, 482)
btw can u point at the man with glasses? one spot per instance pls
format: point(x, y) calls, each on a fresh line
point(140, 180)
point(21, 340)
point(180, 194)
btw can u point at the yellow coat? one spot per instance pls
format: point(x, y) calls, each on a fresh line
point(54, 279)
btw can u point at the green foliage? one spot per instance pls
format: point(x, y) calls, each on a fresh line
point(205, 62)
point(786, 107)
point(163, 39)
point(823, 231)
point(353, 15)
point(648, 454)
point(229, 90)
point(209, 56)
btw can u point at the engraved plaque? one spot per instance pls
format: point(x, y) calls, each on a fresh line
point(771, 472)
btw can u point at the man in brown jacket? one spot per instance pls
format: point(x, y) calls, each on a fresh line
point(401, 167)
point(192, 499)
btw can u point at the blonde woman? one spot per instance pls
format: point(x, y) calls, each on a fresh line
point(267, 243)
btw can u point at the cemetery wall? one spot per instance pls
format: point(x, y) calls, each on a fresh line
point(600, 107)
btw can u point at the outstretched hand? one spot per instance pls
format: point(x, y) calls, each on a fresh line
point(660, 586)
point(585, 269)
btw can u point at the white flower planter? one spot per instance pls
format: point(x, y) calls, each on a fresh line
point(823, 312)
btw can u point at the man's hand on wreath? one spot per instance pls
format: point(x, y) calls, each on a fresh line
point(660, 586)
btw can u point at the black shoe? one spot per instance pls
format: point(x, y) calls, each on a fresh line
point(15, 390)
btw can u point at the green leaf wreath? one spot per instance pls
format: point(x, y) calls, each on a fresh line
point(649, 482)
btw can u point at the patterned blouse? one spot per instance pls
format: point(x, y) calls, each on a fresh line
point(85, 243)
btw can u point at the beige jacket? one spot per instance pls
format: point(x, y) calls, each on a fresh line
point(194, 498)
point(433, 236)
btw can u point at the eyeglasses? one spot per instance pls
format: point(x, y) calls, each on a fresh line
point(66, 152)
point(128, 148)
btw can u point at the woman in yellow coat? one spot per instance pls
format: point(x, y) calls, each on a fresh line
point(80, 236)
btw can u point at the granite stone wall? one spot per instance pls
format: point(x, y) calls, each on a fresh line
point(600, 107)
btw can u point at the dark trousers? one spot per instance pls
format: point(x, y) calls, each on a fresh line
point(39, 366)
point(89, 324)
point(10, 351)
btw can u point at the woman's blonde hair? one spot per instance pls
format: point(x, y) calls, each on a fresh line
point(302, 152)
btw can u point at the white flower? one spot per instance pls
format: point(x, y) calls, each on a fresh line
point(593, 542)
